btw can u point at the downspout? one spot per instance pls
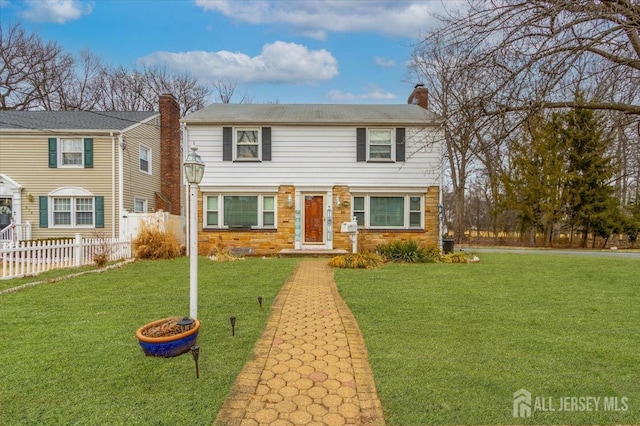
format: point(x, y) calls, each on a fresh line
point(113, 185)
point(120, 209)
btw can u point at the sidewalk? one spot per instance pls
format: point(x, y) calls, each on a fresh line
point(310, 365)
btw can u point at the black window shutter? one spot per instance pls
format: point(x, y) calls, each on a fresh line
point(361, 144)
point(266, 144)
point(400, 144)
point(53, 154)
point(227, 144)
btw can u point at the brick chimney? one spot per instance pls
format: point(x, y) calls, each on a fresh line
point(419, 96)
point(170, 155)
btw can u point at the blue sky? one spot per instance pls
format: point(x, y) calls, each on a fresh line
point(305, 51)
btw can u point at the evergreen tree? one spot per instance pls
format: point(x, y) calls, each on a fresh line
point(536, 181)
point(590, 206)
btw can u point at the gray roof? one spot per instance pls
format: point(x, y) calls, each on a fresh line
point(72, 120)
point(314, 114)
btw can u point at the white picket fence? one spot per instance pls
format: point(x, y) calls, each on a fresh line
point(33, 257)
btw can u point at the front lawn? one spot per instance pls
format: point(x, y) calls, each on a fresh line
point(450, 344)
point(68, 352)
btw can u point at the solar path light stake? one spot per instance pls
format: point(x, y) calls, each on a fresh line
point(195, 351)
point(233, 325)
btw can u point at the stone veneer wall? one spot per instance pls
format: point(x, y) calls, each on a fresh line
point(368, 239)
point(270, 242)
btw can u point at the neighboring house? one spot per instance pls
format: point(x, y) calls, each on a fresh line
point(80, 172)
point(285, 177)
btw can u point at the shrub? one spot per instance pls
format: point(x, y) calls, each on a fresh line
point(408, 252)
point(220, 254)
point(455, 258)
point(154, 242)
point(433, 254)
point(102, 252)
point(357, 261)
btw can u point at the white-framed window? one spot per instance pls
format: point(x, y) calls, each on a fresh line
point(389, 211)
point(380, 145)
point(71, 207)
point(71, 152)
point(247, 144)
point(145, 159)
point(139, 205)
point(73, 212)
point(255, 211)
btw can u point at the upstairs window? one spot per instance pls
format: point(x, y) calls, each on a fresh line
point(247, 144)
point(380, 146)
point(145, 159)
point(70, 152)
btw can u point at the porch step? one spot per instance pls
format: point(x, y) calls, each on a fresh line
point(311, 253)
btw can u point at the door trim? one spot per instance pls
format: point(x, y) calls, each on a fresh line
point(323, 241)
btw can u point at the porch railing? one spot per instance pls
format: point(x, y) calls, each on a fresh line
point(15, 232)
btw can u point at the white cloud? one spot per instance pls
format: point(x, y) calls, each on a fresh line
point(279, 62)
point(384, 62)
point(371, 93)
point(316, 18)
point(58, 11)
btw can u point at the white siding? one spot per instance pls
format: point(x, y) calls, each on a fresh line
point(319, 156)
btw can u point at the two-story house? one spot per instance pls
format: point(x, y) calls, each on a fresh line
point(284, 177)
point(80, 172)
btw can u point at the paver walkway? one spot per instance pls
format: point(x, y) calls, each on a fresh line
point(310, 365)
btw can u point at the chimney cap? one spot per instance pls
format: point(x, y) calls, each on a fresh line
point(418, 85)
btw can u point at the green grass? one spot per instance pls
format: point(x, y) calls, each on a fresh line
point(449, 344)
point(68, 352)
point(44, 276)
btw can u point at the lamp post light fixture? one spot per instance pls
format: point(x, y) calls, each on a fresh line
point(193, 171)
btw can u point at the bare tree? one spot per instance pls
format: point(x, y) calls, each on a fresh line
point(138, 90)
point(225, 89)
point(35, 74)
point(32, 72)
point(541, 43)
point(84, 88)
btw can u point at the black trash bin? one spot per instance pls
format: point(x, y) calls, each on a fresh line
point(447, 245)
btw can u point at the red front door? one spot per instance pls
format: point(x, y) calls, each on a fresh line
point(313, 215)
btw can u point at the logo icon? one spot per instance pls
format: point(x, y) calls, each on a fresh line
point(522, 403)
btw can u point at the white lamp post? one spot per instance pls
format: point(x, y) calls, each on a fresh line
point(193, 171)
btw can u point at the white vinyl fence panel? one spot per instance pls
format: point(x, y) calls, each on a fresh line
point(32, 257)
